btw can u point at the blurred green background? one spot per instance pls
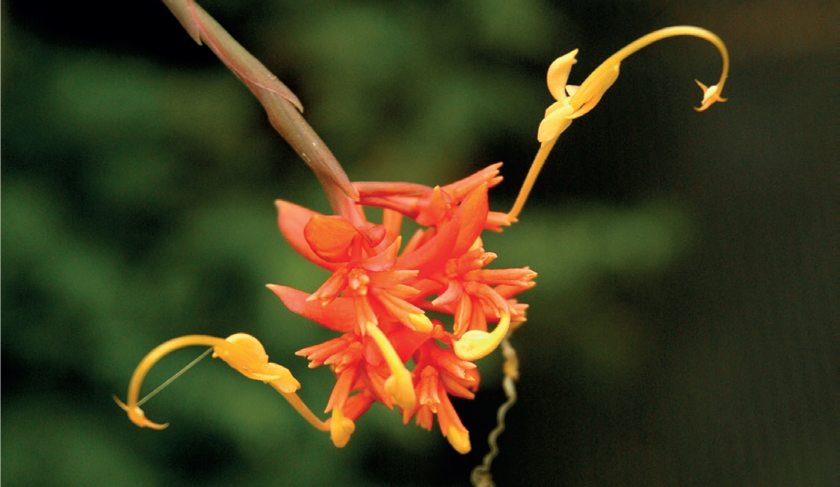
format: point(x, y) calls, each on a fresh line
point(684, 326)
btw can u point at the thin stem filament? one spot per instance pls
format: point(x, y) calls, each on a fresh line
point(225, 349)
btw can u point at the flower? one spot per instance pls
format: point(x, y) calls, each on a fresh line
point(241, 351)
point(378, 296)
point(575, 101)
point(380, 290)
point(439, 373)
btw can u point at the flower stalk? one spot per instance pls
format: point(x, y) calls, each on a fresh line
point(576, 101)
point(282, 106)
point(242, 352)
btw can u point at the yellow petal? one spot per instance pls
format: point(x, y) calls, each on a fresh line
point(283, 380)
point(592, 90)
point(401, 389)
point(558, 75)
point(421, 322)
point(554, 122)
point(243, 352)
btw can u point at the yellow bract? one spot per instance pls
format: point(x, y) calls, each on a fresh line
point(246, 354)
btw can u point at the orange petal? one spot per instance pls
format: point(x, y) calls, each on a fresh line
point(330, 237)
point(292, 219)
point(339, 315)
point(475, 209)
point(432, 254)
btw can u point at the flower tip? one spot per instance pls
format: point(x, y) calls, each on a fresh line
point(476, 344)
point(138, 417)
point(562, 64)
point(711, 95)
point(558, 75)
point(401, 389)
point(341, 428)
point(460, 440)
point(421, 322)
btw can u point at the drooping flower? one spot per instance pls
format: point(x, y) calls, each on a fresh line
point(575, 101)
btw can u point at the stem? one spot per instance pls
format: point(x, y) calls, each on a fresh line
point(525, 190)
point(588, 94)
point(174, 377)
point(282, 106)
point(480, 476)
point(132, 404)
point(304, 411)
point(644, 41)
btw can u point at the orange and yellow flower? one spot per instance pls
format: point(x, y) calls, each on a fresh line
point(378, 296)
point(380, 291)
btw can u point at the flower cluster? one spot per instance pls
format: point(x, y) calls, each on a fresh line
point(378, 297)
point(430, 305)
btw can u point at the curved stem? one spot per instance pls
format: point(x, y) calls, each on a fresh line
point(525, 191)
point(302, 409)
point(680, 30)
point(589, 93)
point(132, 405)
point(480, 475)
point(158, 353)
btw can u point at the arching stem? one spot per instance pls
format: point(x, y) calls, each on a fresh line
point(241, 352)
point(589, 93)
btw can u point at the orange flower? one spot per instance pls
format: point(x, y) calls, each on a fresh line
point(377, 297)
point(379, 291)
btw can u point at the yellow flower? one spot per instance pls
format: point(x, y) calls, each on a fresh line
point(576, 101)
point(242, 352)
point(572, 101)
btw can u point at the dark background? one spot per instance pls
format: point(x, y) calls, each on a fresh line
point(684, 326)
